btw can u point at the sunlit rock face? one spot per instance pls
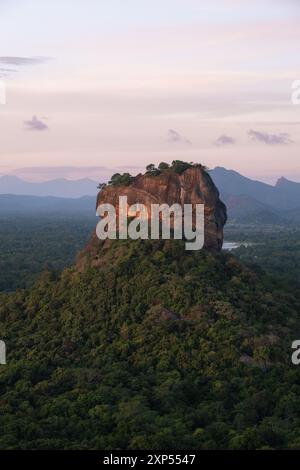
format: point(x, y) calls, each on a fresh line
point(193, 186)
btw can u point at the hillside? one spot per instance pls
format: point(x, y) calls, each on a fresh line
point(11, 203)
point(245, 209)
point(233, 183)
point(287, 186)
point(155, 348)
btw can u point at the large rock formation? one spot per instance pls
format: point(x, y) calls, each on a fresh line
point(193, 186)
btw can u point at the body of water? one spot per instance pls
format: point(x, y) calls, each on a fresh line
point(229, 246)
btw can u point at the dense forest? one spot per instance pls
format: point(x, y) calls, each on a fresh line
point(276, 250)
point(157, 348)
point(35, 242)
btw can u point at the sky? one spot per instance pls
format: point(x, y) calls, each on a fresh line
point(96, 86)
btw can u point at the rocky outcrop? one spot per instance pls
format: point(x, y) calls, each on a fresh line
point(193, 186)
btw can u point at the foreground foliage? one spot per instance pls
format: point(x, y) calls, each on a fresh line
point(156, 348)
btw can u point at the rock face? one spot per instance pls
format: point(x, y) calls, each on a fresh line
point(193, 186)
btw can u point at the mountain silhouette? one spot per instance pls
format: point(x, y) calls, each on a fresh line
point(10, 184)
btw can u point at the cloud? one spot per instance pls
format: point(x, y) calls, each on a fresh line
point(20, 61)
point(5, 72)
point(174, 136)
point(270, 139)
point(35, 124)
point(224, 140)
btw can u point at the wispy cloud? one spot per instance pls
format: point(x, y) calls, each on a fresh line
point(20, 61)
point(175, 137)
point(35, 124)
point(224, 140)
point(7, 70)
point(270, 139)
point(4, 73)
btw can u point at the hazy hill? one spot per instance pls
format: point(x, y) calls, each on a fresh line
point(58, 188)
point(254, 201)
point(33, 204)
point(246, 209)
point(287, 186)
point(284, 195)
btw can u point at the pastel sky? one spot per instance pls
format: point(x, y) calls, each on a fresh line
point(98, 85)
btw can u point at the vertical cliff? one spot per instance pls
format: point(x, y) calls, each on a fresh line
point(192, 186)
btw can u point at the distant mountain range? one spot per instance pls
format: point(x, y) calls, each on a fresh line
point(253, 201)
point(57, 188)
point(11, 203)
point(247, 200)
point(284, 195)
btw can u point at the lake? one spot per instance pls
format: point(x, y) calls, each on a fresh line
point(229, 246)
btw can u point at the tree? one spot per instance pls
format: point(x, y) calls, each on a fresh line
point(114, 179)
point(150, 167)
point(152, 170)
point(163, 166)
point(179, 166)
point(117, 179)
